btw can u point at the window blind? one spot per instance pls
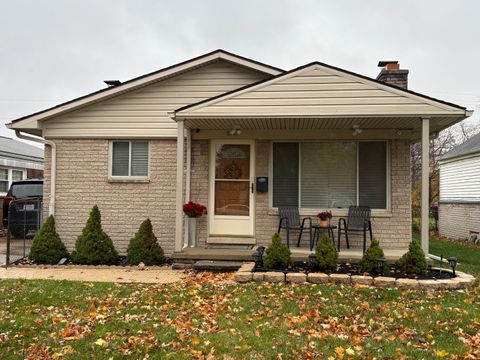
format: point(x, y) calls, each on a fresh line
point(328, 174)
point(372, 174)
point(285, 174)
point(120, 158)
point(139, 163)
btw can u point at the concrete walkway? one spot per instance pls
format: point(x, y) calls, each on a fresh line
point(163, 275)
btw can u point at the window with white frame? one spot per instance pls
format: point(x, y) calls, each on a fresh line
point(129, 159)
point(7, 175)
point(330, 175)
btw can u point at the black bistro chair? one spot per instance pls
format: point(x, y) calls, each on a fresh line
point(358, 220)
point(290, 220)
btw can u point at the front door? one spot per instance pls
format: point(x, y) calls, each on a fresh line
point(231, 207)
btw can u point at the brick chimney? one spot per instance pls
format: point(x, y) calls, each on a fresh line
point(392, 74)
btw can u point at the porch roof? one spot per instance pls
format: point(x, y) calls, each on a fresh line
point(319, 96)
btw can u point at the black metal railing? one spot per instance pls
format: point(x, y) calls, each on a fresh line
point(24, 220)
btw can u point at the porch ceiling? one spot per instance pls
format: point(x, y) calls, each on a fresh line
point(412, 124)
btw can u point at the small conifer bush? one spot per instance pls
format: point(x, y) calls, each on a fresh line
point(414, 261)
point(369, 262)
point(144, 247)
point(94, 246)
point(326, 254)
point(47, 247)
point(277, 255)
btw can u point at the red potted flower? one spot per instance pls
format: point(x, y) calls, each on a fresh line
point(193, 210)
point(325, 217)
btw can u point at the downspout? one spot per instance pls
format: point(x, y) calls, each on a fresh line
point(53, 166)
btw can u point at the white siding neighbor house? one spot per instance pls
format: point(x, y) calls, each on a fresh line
point(459, 205)
point(243, 138)
point(18, 161)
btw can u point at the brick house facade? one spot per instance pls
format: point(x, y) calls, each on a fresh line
point(142, 148)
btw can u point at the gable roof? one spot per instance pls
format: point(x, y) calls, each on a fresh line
point(12, 148)
point(145, 80)
point(317, 77)
point(471, 146)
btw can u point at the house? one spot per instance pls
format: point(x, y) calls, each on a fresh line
point(459, 205)
point(18, 161)
point(211, 128)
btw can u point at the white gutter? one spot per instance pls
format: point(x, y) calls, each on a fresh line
point(53, 166)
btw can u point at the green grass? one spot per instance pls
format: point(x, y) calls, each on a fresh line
point(202, 316)
point(467, 255)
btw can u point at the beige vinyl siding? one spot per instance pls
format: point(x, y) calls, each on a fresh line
point(460, 180)
point(318, 91)
point(143, 112)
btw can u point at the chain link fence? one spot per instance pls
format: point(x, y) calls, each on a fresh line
point(24, 220)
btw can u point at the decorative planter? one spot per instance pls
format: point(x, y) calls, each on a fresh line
point(192, 231)
point(324, 223)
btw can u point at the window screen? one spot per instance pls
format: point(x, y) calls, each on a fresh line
point(372, 169)
point(120, 158)
point(285, 174)
point(328, 174)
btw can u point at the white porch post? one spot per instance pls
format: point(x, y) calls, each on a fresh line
point(179, 188)
point(188, 181)
point(425, 183)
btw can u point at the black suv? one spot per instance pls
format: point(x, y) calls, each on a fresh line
point(23, 215)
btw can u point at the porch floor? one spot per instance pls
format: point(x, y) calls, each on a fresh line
point(298, 254)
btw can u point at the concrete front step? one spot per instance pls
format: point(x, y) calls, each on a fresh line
point(212, 265)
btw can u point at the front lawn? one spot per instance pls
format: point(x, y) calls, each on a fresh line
point(202, 317)
point(467, 255)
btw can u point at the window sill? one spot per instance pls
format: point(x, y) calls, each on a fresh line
point(128, 180)
point(335, 213)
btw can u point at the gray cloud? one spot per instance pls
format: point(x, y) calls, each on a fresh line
point(52, 51)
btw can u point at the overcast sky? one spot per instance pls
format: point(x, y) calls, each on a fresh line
point(53, 51)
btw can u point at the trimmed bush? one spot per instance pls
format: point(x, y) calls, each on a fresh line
point(94, 246)
point(326, 254)
point(414, 261)
point(277, 255)
point(144, 247)
point(369, 262)
point(47, 247)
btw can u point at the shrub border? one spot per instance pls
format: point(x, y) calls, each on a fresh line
point(461, 281)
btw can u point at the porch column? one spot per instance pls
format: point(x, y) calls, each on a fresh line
point(179, 186)
point(425, 183)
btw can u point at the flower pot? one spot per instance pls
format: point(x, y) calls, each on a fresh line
point(192, 231)
point(324, 223)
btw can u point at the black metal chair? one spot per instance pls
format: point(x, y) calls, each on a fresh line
point(290, 220)
point(358, 220)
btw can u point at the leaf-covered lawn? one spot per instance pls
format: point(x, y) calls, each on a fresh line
point(204, 317)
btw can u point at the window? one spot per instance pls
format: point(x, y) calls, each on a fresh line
point(129, 159)
point(7, 176)
point(4, 183)
point(330, 175)
point(17, 175)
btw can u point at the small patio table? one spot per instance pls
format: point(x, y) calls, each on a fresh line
point(316, 234)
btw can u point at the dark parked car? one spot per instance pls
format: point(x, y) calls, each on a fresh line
point(23, 216)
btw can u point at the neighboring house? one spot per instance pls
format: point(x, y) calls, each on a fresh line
point(207, 129)
point(18, 161)
point(459, 205)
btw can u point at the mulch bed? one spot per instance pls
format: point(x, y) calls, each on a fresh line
point(352, 269)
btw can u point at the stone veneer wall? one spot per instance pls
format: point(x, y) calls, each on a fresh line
point(456, 220)
point(82, 167)
point(82, 171)
point(393, 231)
